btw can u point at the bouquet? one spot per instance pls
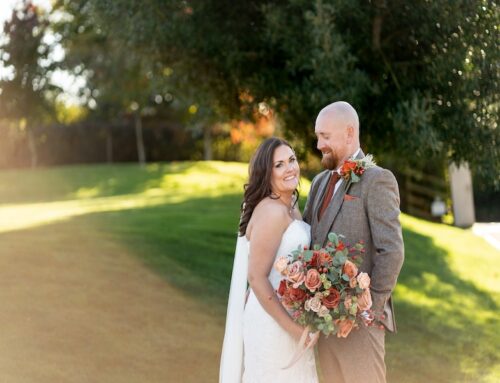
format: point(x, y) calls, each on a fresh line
point(322, 288)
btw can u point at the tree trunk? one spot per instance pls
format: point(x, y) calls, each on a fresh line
point(380, 9)
point(207, 144)
point(141, 153)
point(109, 145)
point(32, 148)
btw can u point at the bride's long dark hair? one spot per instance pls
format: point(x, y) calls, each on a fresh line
point(259, 180)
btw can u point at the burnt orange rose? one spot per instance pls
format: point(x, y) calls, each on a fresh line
point(350, 269)
point(313, 280)
point(282, 288)
point(347, 168)
point(332, 300)
point(344, 327)
point(285, 298)
point(324, 258)
point(340, 246)
point(315, 260)
point(297, 295)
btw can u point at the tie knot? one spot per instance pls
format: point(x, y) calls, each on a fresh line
point(335, 177)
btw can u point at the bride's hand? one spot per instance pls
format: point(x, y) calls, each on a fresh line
point(312, 337)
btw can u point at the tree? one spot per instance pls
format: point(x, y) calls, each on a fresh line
point(119, 82)
point(423, 76)
point(23, 92)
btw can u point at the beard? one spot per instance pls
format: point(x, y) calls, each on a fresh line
point(330, 161)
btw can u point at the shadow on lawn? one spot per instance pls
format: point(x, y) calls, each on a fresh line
point(447, 329)
point(191, 245)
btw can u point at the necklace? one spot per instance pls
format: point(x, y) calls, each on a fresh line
point(288, 206)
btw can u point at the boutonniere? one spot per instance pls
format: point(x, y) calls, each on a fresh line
point(352, 170)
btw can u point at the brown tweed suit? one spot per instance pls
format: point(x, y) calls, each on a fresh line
point(372, 215)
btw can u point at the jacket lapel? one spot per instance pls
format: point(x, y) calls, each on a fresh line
point(326, 222)
point(331, 213)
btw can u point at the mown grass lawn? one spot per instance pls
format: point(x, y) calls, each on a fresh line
point(180, 219)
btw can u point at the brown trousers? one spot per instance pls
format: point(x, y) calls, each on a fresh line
point(359, 358)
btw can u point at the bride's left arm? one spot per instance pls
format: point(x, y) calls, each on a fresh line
point(265, 239)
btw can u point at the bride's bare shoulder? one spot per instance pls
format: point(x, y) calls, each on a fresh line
point(269, 214)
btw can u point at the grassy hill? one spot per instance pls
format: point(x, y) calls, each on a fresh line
point(180, 220)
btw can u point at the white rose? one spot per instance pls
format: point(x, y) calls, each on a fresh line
point(281, 265)
point(323, 311)
point(315, 304)
point(363, 280)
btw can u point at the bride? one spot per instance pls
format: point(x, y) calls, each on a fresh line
point(261, 338)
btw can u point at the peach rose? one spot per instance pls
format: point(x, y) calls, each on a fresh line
point(332, 299)
point(313, 280)
point(363, 280)
point(365, 300)
point(296, 274)
point(348, 302)
point(344, 327)
point(281, 265)
point(353, 283)
point(350, 269)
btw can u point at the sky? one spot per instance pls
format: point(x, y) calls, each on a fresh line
point(6, 7)
point(69, 83)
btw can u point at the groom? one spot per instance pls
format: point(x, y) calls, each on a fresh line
point(367, 210)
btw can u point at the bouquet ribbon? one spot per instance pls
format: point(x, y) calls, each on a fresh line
point(302, 347)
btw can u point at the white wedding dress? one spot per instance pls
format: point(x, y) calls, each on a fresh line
point(255, 347)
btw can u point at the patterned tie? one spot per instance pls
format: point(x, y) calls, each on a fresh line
point(329, 192)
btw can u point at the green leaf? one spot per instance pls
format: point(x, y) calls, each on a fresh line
point(332, 237)
point(308, 255)
point(345, 277)
point(354, 177)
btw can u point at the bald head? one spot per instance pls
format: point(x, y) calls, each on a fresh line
point(340, 114)
point(337, 130)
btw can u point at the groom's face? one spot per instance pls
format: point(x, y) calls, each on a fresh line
point(331, 143)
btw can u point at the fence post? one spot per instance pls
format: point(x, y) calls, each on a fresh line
point(461, 195)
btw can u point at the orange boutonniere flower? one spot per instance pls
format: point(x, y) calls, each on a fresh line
point(352, 170)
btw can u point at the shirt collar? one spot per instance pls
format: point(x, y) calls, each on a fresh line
point(354, 155)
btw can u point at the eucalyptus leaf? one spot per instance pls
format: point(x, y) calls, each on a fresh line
point(332, 237)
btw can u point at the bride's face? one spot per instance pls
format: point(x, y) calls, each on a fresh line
point(286, 172)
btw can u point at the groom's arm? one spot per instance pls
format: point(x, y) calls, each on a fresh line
point(383, 217)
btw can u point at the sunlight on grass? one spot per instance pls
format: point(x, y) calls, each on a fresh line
point(175, 184)
point(446, 301)
point(469, 255)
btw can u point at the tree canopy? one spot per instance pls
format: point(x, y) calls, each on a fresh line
point(422, 75)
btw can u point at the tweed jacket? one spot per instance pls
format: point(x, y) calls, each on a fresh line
point(368, 211)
